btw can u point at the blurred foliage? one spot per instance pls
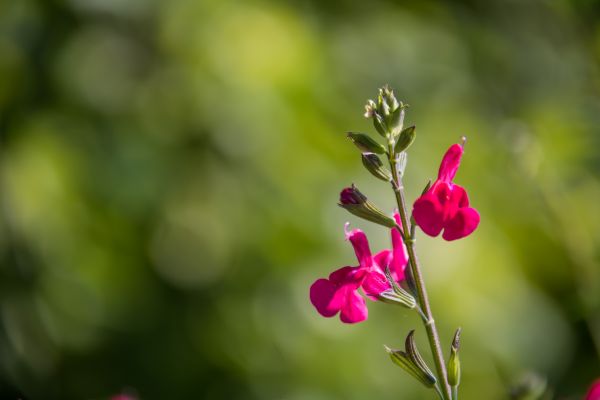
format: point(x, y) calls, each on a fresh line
point(169, 172)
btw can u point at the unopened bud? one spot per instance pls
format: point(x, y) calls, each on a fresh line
point(356, 203)
point(366, 143)
point(454, 361)
point(352, 196)
point(405, 139)
point(387, 112)
point(374, 165)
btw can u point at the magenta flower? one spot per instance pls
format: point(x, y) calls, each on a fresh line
point(445, 206)
point(339, 293)
point(594, 392)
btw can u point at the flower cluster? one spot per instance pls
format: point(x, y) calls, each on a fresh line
point(339, 293)
point(445, 206)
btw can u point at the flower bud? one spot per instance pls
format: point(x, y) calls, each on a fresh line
point(405, 139)
point(387, 112)
point(454, 361)
point(374, 165)
point(365, 143)
point(356, 203)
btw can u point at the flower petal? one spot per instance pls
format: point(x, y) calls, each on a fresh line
point(361, 246)
point(327, 298)
point(354, 309)
point(594, 391)
point(375, 283)
point(462, 224)
point(429, 214)
point(400, 258)
point(352, 276)
point(450, 163)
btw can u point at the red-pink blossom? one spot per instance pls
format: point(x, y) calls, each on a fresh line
point(445, 206)
point(339, 293)
point(594, 392)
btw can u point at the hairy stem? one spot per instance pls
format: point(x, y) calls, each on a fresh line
point(427, 316)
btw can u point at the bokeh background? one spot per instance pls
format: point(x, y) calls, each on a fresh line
point(169, 173)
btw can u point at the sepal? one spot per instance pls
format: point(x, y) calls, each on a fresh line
point(403, 360)
point(396, 295)
point(374, 165)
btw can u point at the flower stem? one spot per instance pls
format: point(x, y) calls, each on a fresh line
point(427, 316)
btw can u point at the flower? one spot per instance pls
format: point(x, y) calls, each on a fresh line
point(445, 206)
point(339, 293)
point(594, 392)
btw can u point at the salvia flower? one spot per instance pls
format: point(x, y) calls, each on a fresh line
point(594, 392)
point(339, 293)
point(445, 205)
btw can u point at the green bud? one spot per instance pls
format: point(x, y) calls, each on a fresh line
point(356, 203)
point(379, 124)
point(405, 139)
point(454, 361)
point(387, 113)
point(374, 165)
point(366, 143)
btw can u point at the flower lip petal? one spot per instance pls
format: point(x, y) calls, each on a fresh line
point(429, 214)
point(464, 222)
point(354, 309)
point(326, 297)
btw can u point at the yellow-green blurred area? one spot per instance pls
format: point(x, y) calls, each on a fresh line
point(169, 172)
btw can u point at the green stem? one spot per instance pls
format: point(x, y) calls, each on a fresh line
point(455, 392)
point(427, 316)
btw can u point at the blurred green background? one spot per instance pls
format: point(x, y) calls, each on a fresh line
point(169, 172)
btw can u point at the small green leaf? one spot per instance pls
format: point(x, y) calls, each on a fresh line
point(366, 143)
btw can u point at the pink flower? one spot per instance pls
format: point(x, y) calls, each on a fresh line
point(339, 293)
point(446, 205)
point(594, 392)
